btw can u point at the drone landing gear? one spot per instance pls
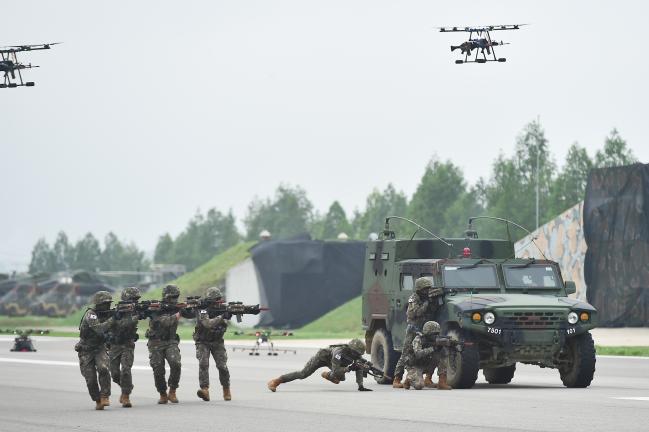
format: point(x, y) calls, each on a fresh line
point(29, 84)
point(502, 59)
point(479, 60)
point(459, 61)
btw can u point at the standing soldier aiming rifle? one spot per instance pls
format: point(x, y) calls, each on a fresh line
point(122, 337)
point(93, 359)
point(422, 307)
point(429, 350)
point(163, 343)
point(208, 336)
point(340, 359)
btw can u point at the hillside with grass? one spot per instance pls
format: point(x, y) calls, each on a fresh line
point(344, 321)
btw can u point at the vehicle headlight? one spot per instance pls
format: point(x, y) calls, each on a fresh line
point(573, 318)
point(489, 318)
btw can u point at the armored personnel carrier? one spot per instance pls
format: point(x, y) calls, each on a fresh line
point(506, 310)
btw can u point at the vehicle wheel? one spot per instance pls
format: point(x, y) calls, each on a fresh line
point(579, 368)
point(501, 375)
point(463, 366)
point(384, 356)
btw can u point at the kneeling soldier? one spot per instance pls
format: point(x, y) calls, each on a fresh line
point(428, 350)
point(93, 359)
point(339, 358)
point(208, 336)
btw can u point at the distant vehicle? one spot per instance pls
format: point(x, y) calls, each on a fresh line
point(17, 302)
point(65, 293)
point(263, 341)
point(480, 41)
point(11, 67)
point(507, 309)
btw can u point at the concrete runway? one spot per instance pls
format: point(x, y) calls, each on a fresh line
point(44, 391)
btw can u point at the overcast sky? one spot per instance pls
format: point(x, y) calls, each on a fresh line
point(152, 109)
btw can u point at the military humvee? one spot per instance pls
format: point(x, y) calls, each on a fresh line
point(505, 309)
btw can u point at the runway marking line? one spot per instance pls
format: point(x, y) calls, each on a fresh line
point(53, 362)
point(639, 398)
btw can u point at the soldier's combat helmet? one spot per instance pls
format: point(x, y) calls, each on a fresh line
point(213, 293)
point(131, 294)
point(102, 297)
point(170, 291)
point(423, 283)
point(431, 328)
point(357, 345)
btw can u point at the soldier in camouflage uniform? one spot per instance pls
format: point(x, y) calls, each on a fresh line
point(422, 306)
point(338, 358)
point(93, 359)
point(123, 335)
point(163, 345)
point(208, 336)
point(428, 350)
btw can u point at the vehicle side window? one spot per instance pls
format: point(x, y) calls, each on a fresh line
point(407, 282)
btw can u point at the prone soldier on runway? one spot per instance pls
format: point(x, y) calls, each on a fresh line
point(340, 359)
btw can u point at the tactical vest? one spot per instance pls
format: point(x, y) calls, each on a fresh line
point(89, 338)
point(162, 329)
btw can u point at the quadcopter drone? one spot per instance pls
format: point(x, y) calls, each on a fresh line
point(23, 343)
point(263, 340)
point(11, 67)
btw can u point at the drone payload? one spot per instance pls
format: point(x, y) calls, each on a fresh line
point(11, 67)
point(480, 40)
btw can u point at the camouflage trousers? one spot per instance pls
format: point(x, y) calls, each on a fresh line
point(158, 353)
point(416, 371)
point(93, 364)
point(121, 362)
point(406, 351)
point(321, 359)
point(217, 350)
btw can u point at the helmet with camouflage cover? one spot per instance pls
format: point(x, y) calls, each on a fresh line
point(213, 293)
point(170, 291)
point(431, 328)
point(357, 345)
point(130, 294)
point(102, 297)
point(423, 283)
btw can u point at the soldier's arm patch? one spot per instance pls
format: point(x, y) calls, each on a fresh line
point(92, 316)
point(338, 357)
point(411, 300)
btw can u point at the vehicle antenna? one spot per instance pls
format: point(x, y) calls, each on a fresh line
point(507, 222)
point(419, 227)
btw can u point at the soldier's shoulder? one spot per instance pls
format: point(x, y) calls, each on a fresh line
point(90, 315)
point(412, 298)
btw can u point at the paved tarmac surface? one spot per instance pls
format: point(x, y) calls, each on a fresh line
point(44, 391)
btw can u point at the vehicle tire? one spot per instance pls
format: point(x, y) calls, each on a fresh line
point(384, 356)
point(501, 375)
point(463, 366)
point(580, 368)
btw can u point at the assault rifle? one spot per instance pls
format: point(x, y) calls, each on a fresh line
point(237, 309)
point(366, 367)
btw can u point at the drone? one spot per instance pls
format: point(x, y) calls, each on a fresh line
point(11, 67)
point(480, 41)
point(23, 343)
point(264, 340)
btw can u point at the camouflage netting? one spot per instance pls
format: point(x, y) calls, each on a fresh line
point(616, 228)
point(561, 240)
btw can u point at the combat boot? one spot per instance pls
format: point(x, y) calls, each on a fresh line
point(172, 395)
point(98, 405)
point(104, 401)
point(273, 384)
point(204, 393)
point(326, 376)
point(406, 384)
point(163, 398)
point(397, 382)
point(428, 381)
point(125, 401)
point(226, 394)
point(442, 384)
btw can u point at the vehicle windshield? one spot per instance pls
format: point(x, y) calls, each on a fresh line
point(483, 276)
point(532, 276)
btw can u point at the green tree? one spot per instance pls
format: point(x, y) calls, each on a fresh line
point(43, 259)
point(112, 257)
point(334, 223)
point(378, 206)
point(289, 213)
point(615, 152)
point(63, 252)
point(441, 186)
point(164, 250)
point(511, 190)
point(87, 253)
point(569, 187)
